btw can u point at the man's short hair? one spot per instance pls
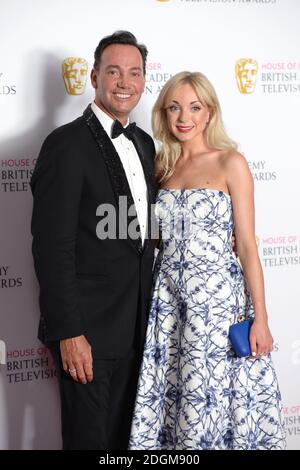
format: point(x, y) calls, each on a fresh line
point(120, 37)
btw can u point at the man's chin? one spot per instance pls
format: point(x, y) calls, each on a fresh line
point(125, 109)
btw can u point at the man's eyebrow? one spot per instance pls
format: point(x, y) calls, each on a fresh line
point(118, 67)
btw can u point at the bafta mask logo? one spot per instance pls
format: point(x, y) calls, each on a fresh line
point(246, 74)
point(2, 353)
point(74, 71)
point(257, 239)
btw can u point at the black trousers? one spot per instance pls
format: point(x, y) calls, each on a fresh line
point(97, 415)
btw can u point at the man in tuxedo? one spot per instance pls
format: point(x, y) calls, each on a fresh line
point(94, 289)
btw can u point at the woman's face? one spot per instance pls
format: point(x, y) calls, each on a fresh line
point(187, 116)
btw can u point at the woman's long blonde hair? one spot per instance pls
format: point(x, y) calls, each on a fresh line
point(214, 134)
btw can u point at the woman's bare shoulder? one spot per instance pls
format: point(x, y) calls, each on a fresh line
point(232, 159)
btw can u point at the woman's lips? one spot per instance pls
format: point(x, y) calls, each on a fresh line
point(185, 129)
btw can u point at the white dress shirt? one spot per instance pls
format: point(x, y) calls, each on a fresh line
point(132, 166)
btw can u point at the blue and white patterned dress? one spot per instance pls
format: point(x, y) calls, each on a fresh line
point(193, 392)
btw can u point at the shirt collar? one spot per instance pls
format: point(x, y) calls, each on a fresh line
point(105, 120)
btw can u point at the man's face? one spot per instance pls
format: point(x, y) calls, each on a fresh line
point(119, 81)
point(75, 77)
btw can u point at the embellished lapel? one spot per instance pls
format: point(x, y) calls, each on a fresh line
point(147, 167)
point(114, 166)
point(147, 164)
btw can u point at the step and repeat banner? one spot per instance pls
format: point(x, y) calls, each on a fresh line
point(250, 50)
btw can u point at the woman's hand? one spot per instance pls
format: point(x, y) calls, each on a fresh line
point(261, 341)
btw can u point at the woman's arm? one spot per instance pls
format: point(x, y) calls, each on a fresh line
point(241, 188)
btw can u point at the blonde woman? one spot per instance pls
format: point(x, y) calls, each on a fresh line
point(194, 392)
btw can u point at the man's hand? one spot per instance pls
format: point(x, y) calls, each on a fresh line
point(76, 354)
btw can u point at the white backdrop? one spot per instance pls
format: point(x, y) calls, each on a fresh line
point(205, 35)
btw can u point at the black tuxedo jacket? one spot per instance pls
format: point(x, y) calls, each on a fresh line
point(90, 286)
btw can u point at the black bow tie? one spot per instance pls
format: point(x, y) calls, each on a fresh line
point(118, 129)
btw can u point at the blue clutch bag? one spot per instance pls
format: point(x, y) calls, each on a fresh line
point(239, 337)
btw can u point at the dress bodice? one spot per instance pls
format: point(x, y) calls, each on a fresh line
point(202, 217)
